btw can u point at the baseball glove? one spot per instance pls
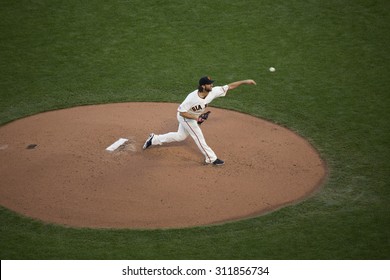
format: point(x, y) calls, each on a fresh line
point(203, 117)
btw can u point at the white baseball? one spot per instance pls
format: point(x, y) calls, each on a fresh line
point(272, 69)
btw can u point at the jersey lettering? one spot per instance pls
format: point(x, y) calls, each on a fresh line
point(196, 108)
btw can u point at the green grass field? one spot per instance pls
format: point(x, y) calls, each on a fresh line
point(331, 85)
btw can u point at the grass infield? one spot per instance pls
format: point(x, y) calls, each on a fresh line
point(331, 86)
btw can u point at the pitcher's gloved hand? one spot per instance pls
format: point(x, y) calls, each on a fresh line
point(203, 117)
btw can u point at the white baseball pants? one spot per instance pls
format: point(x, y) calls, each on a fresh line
point(187, 127)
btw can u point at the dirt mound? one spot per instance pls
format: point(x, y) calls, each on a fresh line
point(54, 167)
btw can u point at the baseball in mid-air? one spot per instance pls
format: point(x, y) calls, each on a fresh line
point(272, 69)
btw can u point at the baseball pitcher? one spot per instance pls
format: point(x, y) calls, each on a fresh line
point(191, 114)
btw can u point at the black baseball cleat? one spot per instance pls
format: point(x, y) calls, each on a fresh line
point(218, 162)
point(148, 141)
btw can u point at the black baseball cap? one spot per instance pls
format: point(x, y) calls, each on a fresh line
point(205, 81)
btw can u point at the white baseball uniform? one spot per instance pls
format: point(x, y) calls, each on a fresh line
point(195, 105)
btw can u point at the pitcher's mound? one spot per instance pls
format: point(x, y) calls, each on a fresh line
point(55, 167)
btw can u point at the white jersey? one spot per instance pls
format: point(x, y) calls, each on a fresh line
point(195, 105)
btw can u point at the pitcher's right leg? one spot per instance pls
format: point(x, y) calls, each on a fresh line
point(196, 133)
